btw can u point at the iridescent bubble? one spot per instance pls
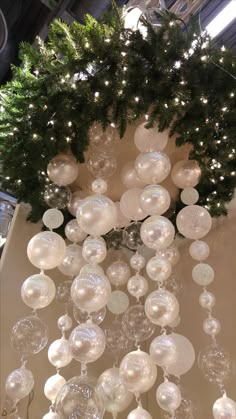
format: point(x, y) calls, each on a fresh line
point(216, 364)
point(136, 325)
point(117, 342)
point(82, 316)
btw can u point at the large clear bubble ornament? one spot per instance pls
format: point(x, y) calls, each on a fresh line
point(216, 364)
point(100, 138)
point(101, 165)
point(80, 398)
point(29, 335)
point(131, 236)
point(135, 324)
point(57, 196)
point(117, 342)
point(82, 316)
point(63, 294)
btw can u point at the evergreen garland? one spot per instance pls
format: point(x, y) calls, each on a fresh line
point(102, 72)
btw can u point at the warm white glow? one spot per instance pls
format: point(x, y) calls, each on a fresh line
point(222, 20)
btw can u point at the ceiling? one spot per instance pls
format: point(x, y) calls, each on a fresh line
point(28, 18)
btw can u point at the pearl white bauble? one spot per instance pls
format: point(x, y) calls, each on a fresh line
point(155, 200)
point(51, 415)
point(138, 371)
point(161, 307)
point(116, 396)
point(130, 178)
point(199, 250)
point(130, 204)
point(137, 262)
point(73, 261)
point(64, 323)
point(186, 173)
point(157, 232)
point(158, 269)
point(59, 353)
point(153, 167)
point(224, 408)
point(46, 250)
point(38, 291)
point(207, 300)
point(163, 350)
point(74, 232)
point(137, 286)
point(75, 201)
point(118, 273)
point(63, 169)
point(168, 396)
point(139, 413)
point(87, 342)
point(118, 302)
point(53, 385)
point(189, 196)
point(53, 218)
point(94, 249)
point(211, 326)
point(194, 222)
point(19, 384)
point(99, 186)
point(203, 274)
point(150, 139)
point(171, 253)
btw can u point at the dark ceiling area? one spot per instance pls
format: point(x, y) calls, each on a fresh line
point(27, 18)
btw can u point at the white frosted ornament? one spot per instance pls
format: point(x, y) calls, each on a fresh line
point(158, 269)
point(168, 396)
point(53, 385)
point(194, 222)
point(116, 396)
point(163, 351)
point(96, 215)
point(224, 408)
point(99, 186)
point(73, 261)
point(94, 249)
point(91, 268)
point(38, 291)
point(211, 326)
point(138, 371)
point(118, 302)
point(199, 250)
point(183, 357)
point(150, 139)
point(75, 201)
point(161, 307)
point(53, 218)
point(157, 232)
point(207, 300)
point(51, 415)
point(130, 178)
point(137, 286)
point(59, 353)
point(171, 253)
point(118, 273)
point(63, 169)
point(87, 342)
point(153, 167)
point(186, 173)
point(46, 250)
point(130, 204)
point(64, 323)
point(74, 232)
point(155, 200)
point(189, 196)
point(90, 291)
point(122, 220)
point(203, 274)
point(19, 384)
point(137, 262)
point(139, 413)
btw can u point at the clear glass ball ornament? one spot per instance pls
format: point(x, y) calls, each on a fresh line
point(137, 262)
point(99, 186)
point(118, 302)
point(81, 397)
point(38, 291)
point(131, 236)
point(215, 364)
point(130, 204)
point(19, 384)
point(186, 173)
point(171, 253)
point(137, 286)
point(63, 294)
point(203, 274)
point(94, 249)
point(138, 371)
point(63, 169)
point(194, 222)
point(150, 139)
point(174, 285)
point(101, 165)
point(29, 335)
point(118, 273)
point(59, 353)
point(157, 232)
point(46, 250)
point(53, 385)
point(87, 342)
point(189, 196)
point(224, 408)
point(158, 269)
point(73, 261)
point(82, 316)
point(135, 324)
point(129, 176)
point(53, 218)
point(152, 167)
point(115, 394)
point(168, 396)
point(117, 342)
point(90, 291)
point(139, 413)
point(64, 323)
point(75, 201)
point(207, 300)
point(199, 250)
point(100, 138)
point(155, 200)
point(96, 215)
point(74, 232)
point(161, 307)
point(211, 326)
point(57, 196)
point(114, 239)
